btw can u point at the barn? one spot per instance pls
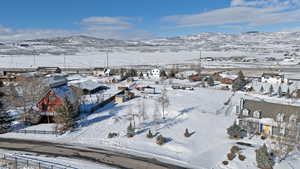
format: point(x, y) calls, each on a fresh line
point(53, 99)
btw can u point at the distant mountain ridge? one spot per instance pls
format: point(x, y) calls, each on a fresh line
point(253, 41)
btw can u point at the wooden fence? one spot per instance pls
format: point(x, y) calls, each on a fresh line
point(39, 132)
point(17, 162)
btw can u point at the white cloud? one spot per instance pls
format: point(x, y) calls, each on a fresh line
point(250, 13)
point(101, 27)
point(105, 20)
point(4, 30)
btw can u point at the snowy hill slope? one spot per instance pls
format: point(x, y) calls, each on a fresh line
point(258, 42)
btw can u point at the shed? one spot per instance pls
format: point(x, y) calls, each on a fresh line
point(88, 86)
point(120, 98)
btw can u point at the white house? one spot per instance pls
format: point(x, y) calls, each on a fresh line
point(155, 73)
point(101, 72)
point(273, 78)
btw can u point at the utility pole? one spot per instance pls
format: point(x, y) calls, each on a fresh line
point(107, 58)
point(65, 62)
point(200, 66)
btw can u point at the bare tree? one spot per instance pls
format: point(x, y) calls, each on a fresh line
point(164, 101)
point(142, 109)
point(155, 115)
point(280, 144)
point(26, 94)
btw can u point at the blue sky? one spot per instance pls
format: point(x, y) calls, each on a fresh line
point(138, 19)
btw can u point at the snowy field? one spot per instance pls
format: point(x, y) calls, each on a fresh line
point(202, 111)
point(98, 59)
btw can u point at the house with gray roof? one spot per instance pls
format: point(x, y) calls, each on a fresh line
point(268, 118)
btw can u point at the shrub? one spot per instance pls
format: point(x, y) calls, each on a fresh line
point(225, 162)
point(186, 133)
point(234, 131)
point(230, 156)
point(242, 157)
point(111, 135)
point(160, 140)
point(149, 135)
point(235, 149)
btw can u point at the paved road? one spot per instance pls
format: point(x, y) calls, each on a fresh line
point(119, 160)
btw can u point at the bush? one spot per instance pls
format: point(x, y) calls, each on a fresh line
point(234, 131)
point(186, 133)
point(230, 156)
point(242, 157)
point(149, 135)
point(160, 140)
point(235, 149)
point(225, 162)
point(112, 135)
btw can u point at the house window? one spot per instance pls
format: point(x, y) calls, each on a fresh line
point(293, 119)
point(256, 114)
point(245, 112)
point(282, 130)
point(280, 117)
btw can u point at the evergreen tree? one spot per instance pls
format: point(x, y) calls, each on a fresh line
point(5, 122)
point(262, 89)
point(141, 76)
point(241, 75)
point(271, 90)
point(130, 130)
point(5, 119)
point(150, 135)
point(66, 113)
point(263, 158)
point(210, 81)
point(186, 133)
point(288, 93)
point(240, 82)
point(163, 73)
point(234, 130)
point(203, 82)
point(279, 91)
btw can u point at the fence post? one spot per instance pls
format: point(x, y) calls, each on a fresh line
point(16, 162)
point(4, 156)
point(27, 163)
point(51, 166)
point(39, 165)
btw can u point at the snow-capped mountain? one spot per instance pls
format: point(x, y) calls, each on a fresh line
point(261, 43)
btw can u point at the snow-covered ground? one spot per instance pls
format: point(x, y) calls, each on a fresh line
point(202, 111)
point(56, 162)
point(89, 59)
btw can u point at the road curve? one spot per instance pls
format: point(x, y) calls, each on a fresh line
point(114, 159)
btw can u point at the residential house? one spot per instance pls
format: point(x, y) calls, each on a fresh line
point(102, 72)
point(186, 74)
point(224, 77)
point(273, 78)
point(87, 86)
point(267, 118)
point(55, 81)
point(155, 73)
point(49, 70)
